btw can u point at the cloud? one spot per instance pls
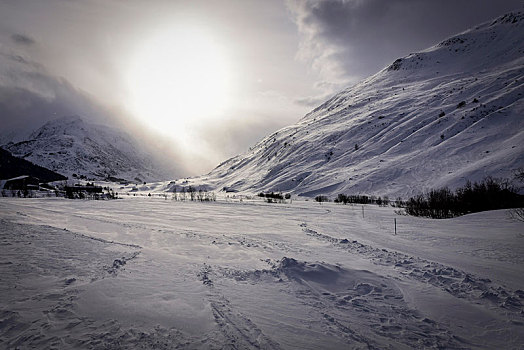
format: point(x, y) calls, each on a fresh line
point(243, 126)
point(233, 136)
point(30, 96)
point(347, 40)
point(312, 101)
point(335, 34)
point(22, 39)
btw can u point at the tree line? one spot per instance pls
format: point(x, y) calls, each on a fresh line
point(473, 197)
point(192, 194)
point(487, 194)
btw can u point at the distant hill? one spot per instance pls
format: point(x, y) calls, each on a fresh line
point(11, 167)
point(435, 118)
point(75, 147)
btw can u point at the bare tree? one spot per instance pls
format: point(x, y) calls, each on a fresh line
point(518, 213)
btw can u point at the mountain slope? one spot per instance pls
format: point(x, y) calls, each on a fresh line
point(434, 118)
point(11, 167)
point(71, 145)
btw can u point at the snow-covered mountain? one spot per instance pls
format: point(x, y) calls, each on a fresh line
point(71, 145)
point(430, 119)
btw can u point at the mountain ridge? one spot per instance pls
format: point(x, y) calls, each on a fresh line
point(435, 118)
point(75, 147)
point(11, 166)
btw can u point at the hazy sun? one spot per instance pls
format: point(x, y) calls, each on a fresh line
point(179, 76)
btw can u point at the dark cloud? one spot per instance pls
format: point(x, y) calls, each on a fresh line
point(22, 39)
point(28, 104)
point(31, 96)
point(346, 40)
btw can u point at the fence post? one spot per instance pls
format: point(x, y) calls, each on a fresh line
point(395, 226)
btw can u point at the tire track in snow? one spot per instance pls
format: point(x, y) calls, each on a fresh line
point(458, 283)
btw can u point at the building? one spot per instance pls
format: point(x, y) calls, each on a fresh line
point(24, 182)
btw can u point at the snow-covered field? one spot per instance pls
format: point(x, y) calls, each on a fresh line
point(152, 273)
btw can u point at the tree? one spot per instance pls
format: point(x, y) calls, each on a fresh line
point(321, 199)
point(342, 198)
point(518, 213)
point(192, 192)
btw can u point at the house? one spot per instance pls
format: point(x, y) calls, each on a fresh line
point(24, 182)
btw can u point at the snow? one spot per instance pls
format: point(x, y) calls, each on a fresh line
point(155, 273)
point(152, 273)
point(18, 178)
point(431, 119)
point(71, 145)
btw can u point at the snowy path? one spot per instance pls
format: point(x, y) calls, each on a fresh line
point(153, 273)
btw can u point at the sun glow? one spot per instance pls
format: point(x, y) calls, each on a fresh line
point(179, 78)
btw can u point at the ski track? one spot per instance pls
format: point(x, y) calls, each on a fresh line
point(44, 290)
point(224, 239)
point(56, 306)
point(458, 283)
point(364, 313)
point(237, 329)
point(362, 309)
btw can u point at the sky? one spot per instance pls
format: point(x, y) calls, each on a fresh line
point(203, 81)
